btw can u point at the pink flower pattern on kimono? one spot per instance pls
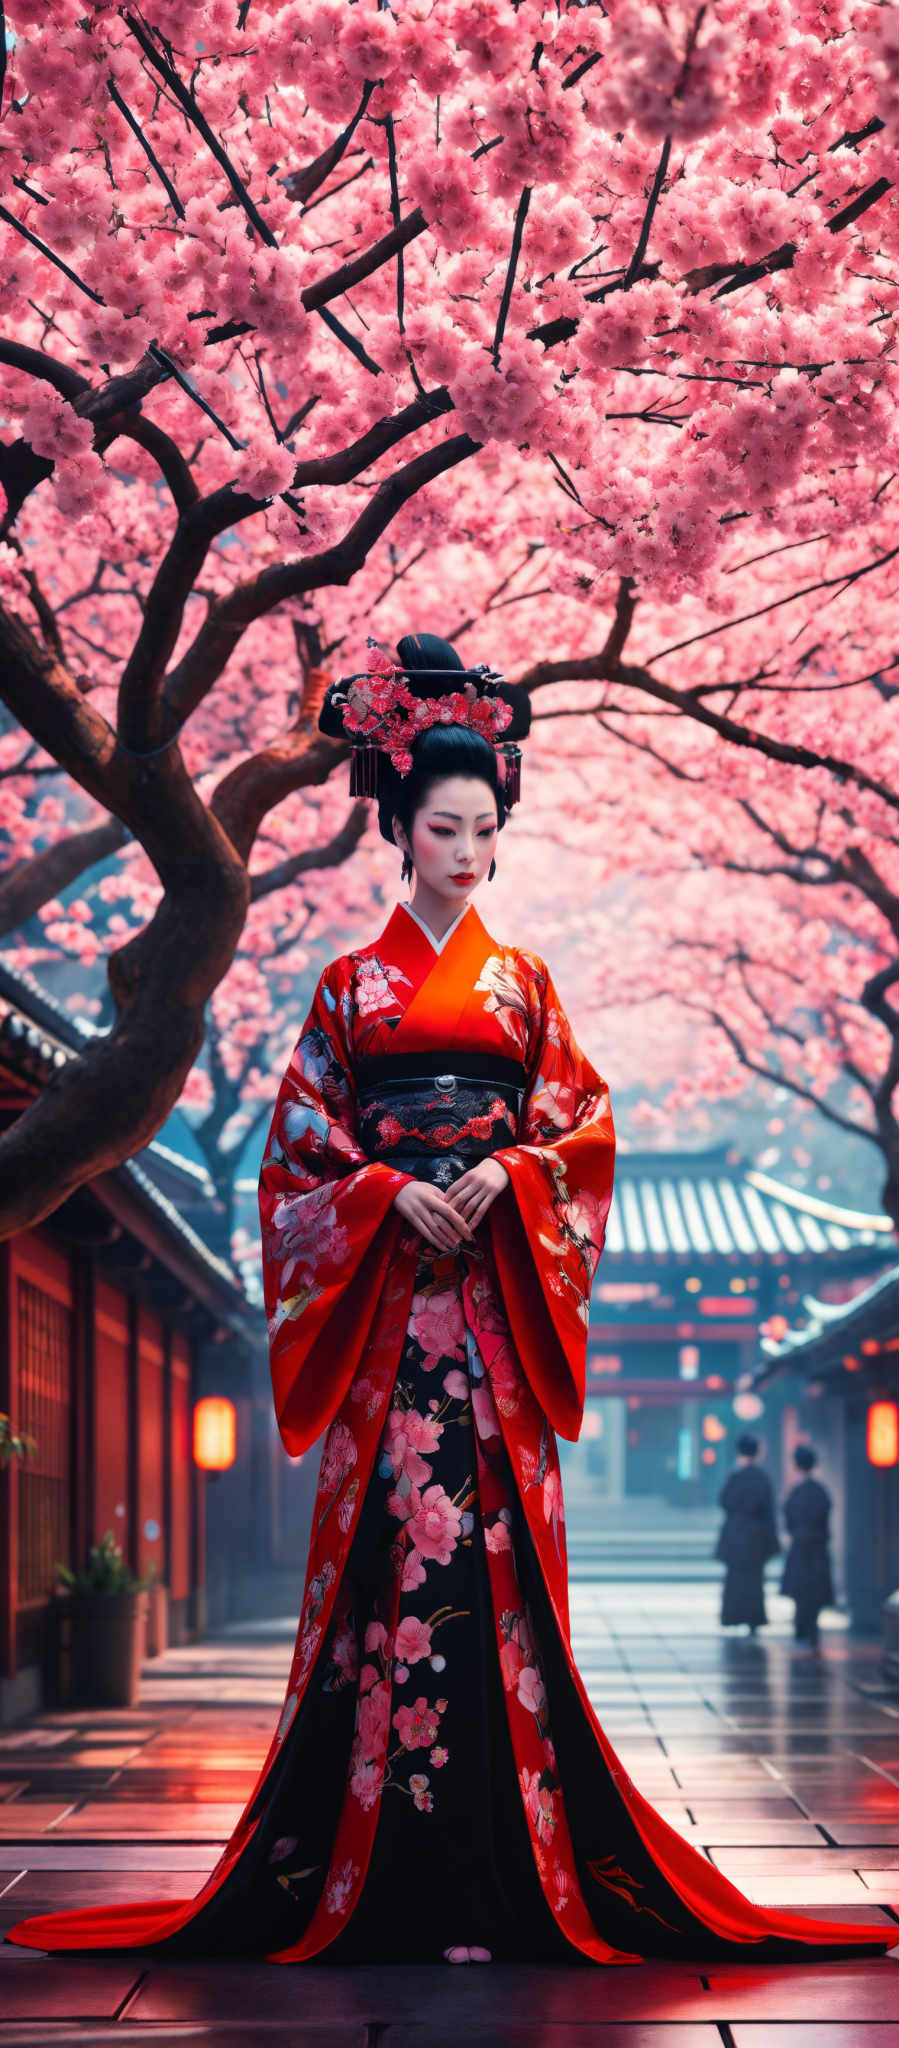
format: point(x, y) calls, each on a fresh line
point(553, 1503)
point(372, 985)
point(340, 1887)
point(484, 1411)
point(413, 1639)
point(417, 1726)
point(435, 1526)
point(414, 1573)
point(423, 1798)
point(309, 1236)
point(531, 1691)
point(407, 1435)
point(437, 1324)
point(538, 1799)
point(338, 1457)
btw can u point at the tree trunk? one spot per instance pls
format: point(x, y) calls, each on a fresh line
point(103, 1106)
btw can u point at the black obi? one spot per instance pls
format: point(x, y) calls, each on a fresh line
point(433, 1115)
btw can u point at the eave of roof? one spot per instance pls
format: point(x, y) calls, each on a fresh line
point(38, 1039)
point(835, 1330)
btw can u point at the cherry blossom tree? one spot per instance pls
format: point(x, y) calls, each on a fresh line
point(569, 326)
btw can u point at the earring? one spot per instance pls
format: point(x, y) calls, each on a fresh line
point(491, 871)
point(407, 870)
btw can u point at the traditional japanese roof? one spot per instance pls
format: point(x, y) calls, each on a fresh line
point(837, 1331)
point(37, 1038)
point(705, 1206)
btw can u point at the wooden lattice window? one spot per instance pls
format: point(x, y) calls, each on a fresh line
point(44, 1412)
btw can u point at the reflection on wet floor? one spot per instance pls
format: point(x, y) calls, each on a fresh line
point(780, 1765)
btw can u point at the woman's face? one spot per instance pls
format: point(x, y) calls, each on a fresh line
point(453, 837)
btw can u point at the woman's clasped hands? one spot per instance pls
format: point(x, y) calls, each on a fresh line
point(450, 1219)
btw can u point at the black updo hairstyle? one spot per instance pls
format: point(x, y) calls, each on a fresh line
point(805, 1457)
point(440, 750)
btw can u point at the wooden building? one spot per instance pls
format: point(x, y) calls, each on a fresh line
point(837, 1375)
point(114, 1314)
point(704, 1254)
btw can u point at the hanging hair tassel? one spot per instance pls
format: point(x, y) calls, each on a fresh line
point(512, 780)
point(364, 770)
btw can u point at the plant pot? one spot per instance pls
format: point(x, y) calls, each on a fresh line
point(157, 1620)
point(108, 1632)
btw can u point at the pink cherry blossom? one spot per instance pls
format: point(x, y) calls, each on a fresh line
point(728, 452)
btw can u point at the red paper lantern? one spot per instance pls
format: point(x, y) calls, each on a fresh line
point(883, 1433)
point(215, 1433)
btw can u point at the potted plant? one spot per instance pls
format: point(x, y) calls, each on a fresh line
point(13, 1445)
point(103, 1619)
point(157, 1613)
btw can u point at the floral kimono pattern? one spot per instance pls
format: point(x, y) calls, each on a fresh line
point(437, 1775)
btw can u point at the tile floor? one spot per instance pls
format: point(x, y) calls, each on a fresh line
point(781, 1767)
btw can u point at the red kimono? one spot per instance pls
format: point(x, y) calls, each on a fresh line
point(437, 1775)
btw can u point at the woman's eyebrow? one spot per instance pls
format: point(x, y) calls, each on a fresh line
point(456, 816)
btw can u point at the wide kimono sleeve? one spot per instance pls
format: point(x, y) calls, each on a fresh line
point(328, 1225)
point(548, 1226)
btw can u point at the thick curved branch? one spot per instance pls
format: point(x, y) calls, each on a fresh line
point(165, 452)
point(228, 620)
point(31, 883)
point(65, 379)
point(43, 696)
point(303, 760)
point(139, 710)
point(331, 855)
point(593, 668)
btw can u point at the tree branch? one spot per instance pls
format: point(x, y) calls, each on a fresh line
point(27, 886)
point(187, 101)
point(301, 184)
point(331, 855)
point(228, 620)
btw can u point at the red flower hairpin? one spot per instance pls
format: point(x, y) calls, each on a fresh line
point(381, 711)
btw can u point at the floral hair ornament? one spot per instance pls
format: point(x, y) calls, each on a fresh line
point(383, 717)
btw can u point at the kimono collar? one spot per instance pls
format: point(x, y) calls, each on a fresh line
point(438, 944)
point(442, 976)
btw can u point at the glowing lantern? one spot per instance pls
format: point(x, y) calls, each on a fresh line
point(776, 1327)
point(713, 1430)
point(709, 1456)
point(215, 1431)
point(748, 1407)
point(883, 1433)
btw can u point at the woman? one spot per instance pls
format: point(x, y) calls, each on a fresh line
point(434, 1195)
point(807, 1575)
point(748, 1538)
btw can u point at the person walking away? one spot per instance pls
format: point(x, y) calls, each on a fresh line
point(807, 1578)
point(748, 1537)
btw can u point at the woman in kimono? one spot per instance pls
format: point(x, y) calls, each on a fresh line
point(434, 1195)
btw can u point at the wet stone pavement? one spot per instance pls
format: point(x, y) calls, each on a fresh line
point(781, 1766)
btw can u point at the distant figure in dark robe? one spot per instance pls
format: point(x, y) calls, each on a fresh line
point(807, 1575)
point(748, 1536)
